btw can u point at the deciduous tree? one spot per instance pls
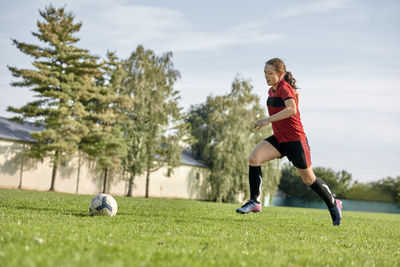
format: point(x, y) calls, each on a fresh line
point(223, 127)
point(154, 125)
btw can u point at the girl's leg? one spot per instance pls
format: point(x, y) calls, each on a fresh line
point(263, 152)
point(322, 189)
point(318, 185)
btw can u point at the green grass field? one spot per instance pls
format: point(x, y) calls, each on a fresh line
point(54, 229)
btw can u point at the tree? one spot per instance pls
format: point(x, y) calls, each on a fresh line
point(223, 128)
point(153, 124)
point(339, 182)
point(104, 142)
point(271, 177)
point(292, 184)
point(62, 75)
point(367, 192)
point(386, 189)
point(391, 186)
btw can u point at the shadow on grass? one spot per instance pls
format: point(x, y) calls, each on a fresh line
point(189, 217)
point(142, 214)
point(53, 210)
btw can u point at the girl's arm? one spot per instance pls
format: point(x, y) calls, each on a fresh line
point(297, 94)
point(289, 111)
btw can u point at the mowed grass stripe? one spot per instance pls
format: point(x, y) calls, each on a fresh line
point(49, 229)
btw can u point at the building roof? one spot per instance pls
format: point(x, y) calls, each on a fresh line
point(188, 159)
point(21, 132)
point(15, 131)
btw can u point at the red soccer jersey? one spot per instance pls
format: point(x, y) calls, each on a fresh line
point(289, 129)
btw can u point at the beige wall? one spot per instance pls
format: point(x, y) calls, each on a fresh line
point(10, 168)
point(184, 182)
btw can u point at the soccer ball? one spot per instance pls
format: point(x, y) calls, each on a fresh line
point(103, 204)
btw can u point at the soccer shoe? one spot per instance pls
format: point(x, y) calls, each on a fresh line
point(336, 213)
point(250, 206)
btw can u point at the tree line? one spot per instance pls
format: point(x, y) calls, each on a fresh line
point(341, 183)
point(120, 113)
point(124, 114)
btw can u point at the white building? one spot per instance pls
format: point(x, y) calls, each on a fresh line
point(19, 171)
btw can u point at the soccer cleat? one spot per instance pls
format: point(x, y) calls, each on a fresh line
point(336, 213)
point(250, 206)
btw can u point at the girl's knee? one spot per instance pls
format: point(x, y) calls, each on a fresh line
point(253, 161)
point(308, 180)
point(307, 175)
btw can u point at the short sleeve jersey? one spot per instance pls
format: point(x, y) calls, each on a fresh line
point(289, 129)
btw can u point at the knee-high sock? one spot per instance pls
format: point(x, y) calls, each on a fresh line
point(255, 180)
point(322, 189)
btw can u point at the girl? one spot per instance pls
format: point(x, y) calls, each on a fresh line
point(288, 140)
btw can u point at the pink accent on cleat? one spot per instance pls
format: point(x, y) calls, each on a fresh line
point(250, 206)
point(257, 208)
point(336, 213)
point(339, 205)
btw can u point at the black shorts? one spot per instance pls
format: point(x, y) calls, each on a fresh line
point(298, 152)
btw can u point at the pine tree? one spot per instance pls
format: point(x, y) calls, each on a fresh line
point(62, 76)
point(104, 142)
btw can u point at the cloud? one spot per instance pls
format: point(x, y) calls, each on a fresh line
point(139, 22)
point(314, 7)
point(201, 41)
point(162, 29)
point(122, 25)
point(11, 15)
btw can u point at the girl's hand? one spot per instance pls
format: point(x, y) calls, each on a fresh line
point(261, 123)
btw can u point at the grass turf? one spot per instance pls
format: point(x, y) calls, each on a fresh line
point(54, 229)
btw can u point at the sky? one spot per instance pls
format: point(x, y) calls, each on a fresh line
point(345, 55)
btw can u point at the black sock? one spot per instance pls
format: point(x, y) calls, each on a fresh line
point(322, 189)
point(255, 180)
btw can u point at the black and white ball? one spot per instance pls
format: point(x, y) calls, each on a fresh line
point(103, 204)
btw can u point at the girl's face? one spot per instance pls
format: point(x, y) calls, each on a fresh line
point(272, 76)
